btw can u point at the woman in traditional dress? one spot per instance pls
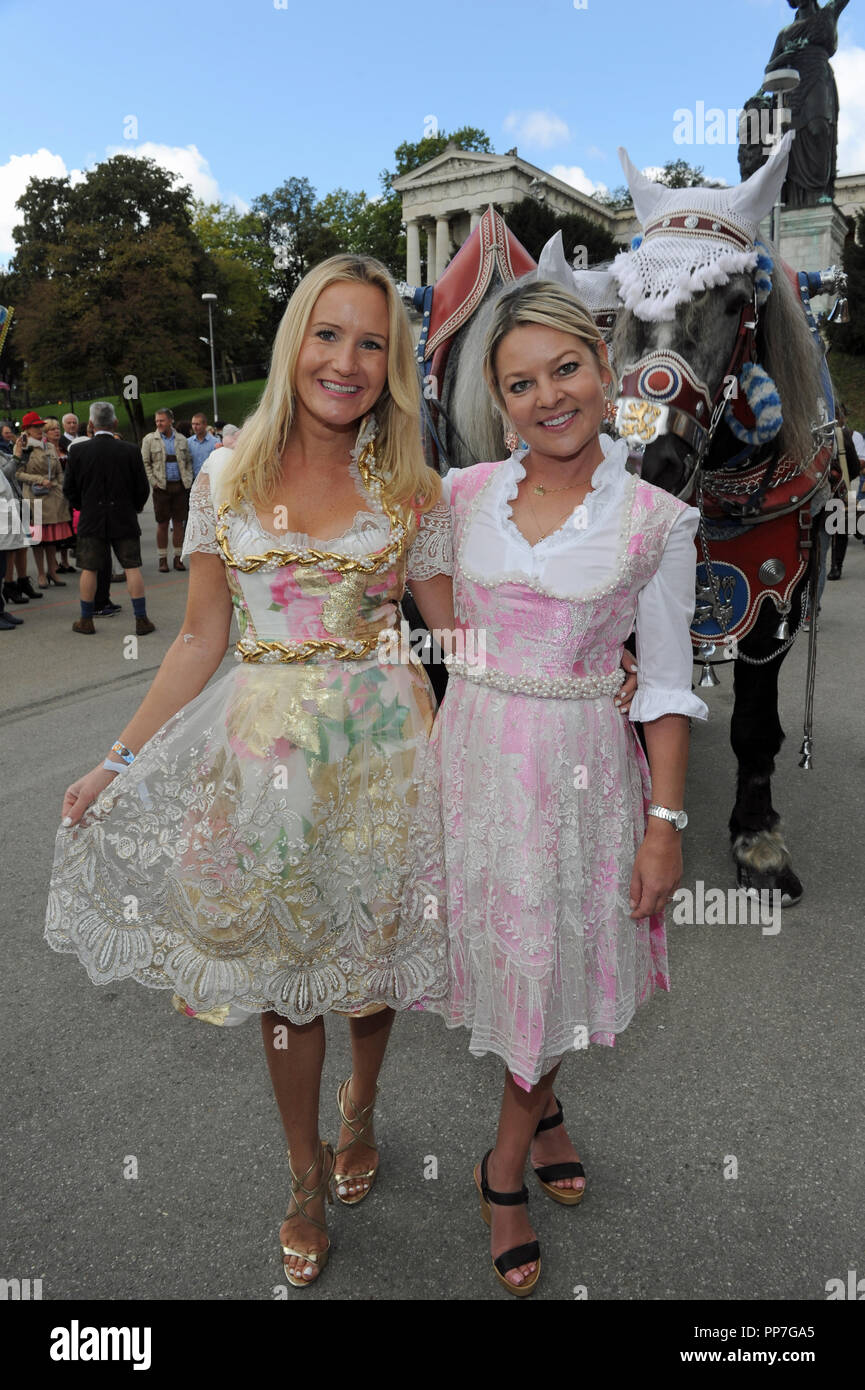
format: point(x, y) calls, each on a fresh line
point(39, 468)
point(245, 842)
point(555, 880)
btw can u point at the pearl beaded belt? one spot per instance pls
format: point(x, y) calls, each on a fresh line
point(552, 687)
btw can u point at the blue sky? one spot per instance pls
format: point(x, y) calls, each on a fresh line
point(238, 95)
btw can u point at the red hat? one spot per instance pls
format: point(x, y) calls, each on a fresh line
point(31, 419)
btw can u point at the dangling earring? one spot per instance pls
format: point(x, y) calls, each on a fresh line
point(512, 439)
point(610, 410)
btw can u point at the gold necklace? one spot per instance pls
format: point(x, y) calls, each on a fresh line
point(544, 534)
point(541, 491)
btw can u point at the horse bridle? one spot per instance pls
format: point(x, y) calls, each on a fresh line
point(660, 394)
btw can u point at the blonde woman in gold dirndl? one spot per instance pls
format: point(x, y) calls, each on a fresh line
point(259, 825)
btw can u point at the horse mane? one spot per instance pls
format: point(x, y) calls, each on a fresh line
point(786, 348)
point(466, 398)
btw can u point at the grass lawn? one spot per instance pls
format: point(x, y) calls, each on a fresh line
point(235, 403)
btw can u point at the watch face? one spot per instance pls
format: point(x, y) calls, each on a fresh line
point(681, 820)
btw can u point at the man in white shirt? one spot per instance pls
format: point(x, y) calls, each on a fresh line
point(70, 430)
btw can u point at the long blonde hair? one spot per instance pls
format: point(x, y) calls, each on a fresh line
point(255, 469)
point(546, 303)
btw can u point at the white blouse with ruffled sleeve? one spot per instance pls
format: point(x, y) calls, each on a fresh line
point(582, 555)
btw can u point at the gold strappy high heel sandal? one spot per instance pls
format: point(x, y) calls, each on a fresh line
point(364, 1115)
point(313, 1257)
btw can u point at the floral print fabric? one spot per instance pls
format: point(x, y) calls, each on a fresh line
point(254, 853)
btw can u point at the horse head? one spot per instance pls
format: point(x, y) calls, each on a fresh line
point(712, 348)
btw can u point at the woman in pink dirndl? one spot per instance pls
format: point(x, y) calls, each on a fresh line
point(533, 838)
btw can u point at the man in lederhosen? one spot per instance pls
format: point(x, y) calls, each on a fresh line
point(168, 466)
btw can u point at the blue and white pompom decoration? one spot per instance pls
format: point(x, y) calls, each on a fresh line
point(761, 393)
point(763, 273)
point(636, 241)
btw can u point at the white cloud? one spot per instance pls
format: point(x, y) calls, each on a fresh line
point(577, 178)
point(849, 66)
point(539, 129)
point(185, 160)
point(15, 174)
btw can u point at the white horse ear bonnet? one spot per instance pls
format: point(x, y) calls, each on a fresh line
point(693, 238)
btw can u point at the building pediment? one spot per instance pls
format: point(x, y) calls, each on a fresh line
point(451, 164)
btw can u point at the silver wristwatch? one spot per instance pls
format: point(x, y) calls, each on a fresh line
point(678, 818)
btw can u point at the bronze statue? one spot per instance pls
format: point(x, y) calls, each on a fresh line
point(805, 45)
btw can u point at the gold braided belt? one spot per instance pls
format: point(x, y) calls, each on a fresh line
point(257, 650)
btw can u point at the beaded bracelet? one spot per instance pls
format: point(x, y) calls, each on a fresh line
point(125, 754)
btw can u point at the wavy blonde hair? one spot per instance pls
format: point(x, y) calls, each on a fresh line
point(255, 469)
point(546, 303)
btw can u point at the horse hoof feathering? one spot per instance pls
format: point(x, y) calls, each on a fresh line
point(763, 863)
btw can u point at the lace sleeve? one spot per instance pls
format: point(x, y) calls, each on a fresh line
point(432, 551)
point(201, 527)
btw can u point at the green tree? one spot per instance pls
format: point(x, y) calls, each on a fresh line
point(366, 227)
point(238, 262)
point(293, 237)
point(850, 337)
point(676, 173)
point(533, 223)
point(107, 276)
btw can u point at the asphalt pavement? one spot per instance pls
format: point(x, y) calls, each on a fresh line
point(722, 1136)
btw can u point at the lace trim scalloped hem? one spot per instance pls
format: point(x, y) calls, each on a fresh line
point(427, 992)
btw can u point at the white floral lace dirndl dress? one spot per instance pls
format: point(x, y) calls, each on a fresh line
point(543, 786)
point(252, 857)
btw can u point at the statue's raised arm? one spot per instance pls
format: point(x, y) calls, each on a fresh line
point(807, 45)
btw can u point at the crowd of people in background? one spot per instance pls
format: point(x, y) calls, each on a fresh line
point(110, 485)
point(68, 488)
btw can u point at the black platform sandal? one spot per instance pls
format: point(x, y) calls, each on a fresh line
point(546, 1176)
point(520, 1254)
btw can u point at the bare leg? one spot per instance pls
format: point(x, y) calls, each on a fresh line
point(87, 585)
point(135, 586)
point(520, 1115)
point(369, 1039)
point(39, 557)
point(295, 1073)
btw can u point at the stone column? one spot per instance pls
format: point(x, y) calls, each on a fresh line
point(430, 253)
point(412, 244)
point(443, 237)
point(476, 215)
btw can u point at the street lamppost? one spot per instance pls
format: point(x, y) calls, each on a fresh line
point(210, 300)
point(775, 84)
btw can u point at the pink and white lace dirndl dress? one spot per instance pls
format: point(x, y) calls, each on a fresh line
point(534, 788)
point(253, 855)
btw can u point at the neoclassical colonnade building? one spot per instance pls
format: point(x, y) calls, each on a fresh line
point(445, 198)
point(442, 201)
